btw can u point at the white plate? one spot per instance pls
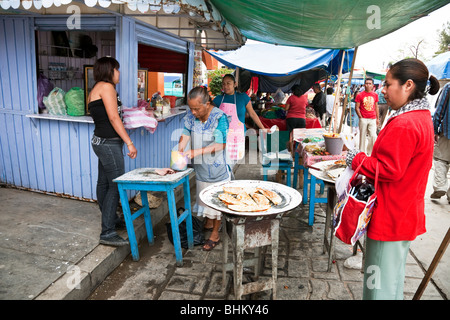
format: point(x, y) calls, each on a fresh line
point(291, 198)
point(322, 174)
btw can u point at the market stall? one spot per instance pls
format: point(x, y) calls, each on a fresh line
point(49, 46)
point(281, 123)
point(293, 65)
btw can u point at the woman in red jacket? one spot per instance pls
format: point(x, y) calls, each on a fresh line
point(403, 151)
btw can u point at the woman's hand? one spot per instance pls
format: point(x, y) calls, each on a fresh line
point(191, 154)
point(436, 138)
point(132, 151)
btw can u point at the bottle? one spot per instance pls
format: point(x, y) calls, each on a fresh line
point(159, 103)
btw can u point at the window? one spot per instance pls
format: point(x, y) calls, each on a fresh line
point(63, 55)
point(167, 71)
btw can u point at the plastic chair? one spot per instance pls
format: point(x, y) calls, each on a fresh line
point(270, 145)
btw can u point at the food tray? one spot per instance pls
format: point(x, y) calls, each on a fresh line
point(322, 174)
point(291, 198)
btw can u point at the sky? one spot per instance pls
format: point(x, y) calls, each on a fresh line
point(375, 55)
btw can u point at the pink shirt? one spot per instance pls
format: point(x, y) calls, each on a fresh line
point(297, 107)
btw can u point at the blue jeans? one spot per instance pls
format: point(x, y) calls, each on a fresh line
point(110, 166)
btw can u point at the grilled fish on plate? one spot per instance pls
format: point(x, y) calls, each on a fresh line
point(271, 195)
point(228, 198)
point(260, 199)
point(245, 199)
point(233, 190)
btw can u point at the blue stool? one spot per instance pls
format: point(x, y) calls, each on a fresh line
point(312, 186)
point(312, 197)
point(282, 166)
point(146, 179)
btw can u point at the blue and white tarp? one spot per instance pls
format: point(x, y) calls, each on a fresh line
point(280, 67)
point(272, 60)
point(439, 66)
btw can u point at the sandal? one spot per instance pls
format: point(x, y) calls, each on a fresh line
point(210, 244)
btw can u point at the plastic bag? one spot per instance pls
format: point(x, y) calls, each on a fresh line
point(44, 87)
point(278, 97)
point(197, 230)
point(178, 161)
point(343, 180)
point(351, 215)
point(74, 100)
point(55, 102)
point(139, 117)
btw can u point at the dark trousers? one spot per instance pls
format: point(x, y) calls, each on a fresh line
point(110, 166)
point(294, 123)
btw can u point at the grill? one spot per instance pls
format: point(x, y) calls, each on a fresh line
point(249, 230)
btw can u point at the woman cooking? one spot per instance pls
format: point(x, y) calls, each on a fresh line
point(235, 104)
point(205, 127)
point(403, 151)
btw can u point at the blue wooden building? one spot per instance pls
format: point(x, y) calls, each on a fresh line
point(53, 153)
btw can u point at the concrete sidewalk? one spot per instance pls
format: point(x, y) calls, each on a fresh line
point(49, 250)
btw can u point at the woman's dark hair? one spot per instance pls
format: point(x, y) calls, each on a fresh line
point(229, 75)
point(202, 92)
point(104, 69)
point(316, 86)
point(417, 71)
point(296, 90)
point(330, 90)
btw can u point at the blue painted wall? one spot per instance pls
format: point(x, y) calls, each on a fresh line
point(56, 156)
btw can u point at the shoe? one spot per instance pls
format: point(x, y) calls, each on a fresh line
point(437, 194)
point(115, 241)
point(210, 244)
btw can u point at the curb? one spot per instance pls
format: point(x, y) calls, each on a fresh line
point(81, 280)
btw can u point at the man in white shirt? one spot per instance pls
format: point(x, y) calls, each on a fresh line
point(330, 103)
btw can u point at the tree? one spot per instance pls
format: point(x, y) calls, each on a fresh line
point(415, 48)
point(215, 85)
point(444, 39)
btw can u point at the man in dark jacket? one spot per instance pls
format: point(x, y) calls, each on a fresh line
point(319, 103)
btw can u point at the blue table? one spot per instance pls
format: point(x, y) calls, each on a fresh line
point(146, 179)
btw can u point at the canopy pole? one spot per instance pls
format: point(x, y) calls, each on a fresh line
point(337, 97)
point(349, 83)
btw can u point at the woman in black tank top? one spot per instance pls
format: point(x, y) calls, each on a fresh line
point(107, 142)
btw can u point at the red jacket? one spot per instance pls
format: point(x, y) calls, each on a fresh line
point(404, 151)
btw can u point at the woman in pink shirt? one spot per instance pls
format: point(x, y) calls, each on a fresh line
point(296, 110)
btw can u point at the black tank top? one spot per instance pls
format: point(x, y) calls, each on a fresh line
point(103, 127)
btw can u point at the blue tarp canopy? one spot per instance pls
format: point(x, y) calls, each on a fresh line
point(439, 66)
point(272, 60)
point(283, 66)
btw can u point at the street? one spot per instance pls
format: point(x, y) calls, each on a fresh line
point(302, 265)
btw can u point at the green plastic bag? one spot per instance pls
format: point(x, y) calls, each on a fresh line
point(54, 102)
point(74, 100)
